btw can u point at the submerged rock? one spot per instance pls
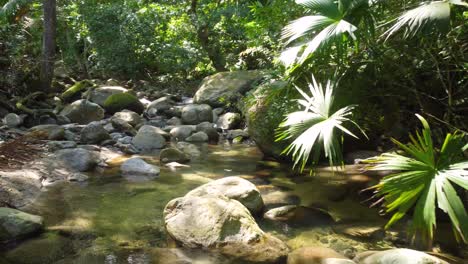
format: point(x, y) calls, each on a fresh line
point(83, 112)
point(15, 224)
point(398, 255)
point(222, 224)
point(233, 188)
point(317, 255)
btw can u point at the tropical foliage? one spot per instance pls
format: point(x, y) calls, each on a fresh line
point(317, 127)
point(424, 181)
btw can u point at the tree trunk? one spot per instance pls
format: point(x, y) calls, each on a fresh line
point(48, 44)
point(213, 51)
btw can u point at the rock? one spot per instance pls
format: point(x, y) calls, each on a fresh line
point(77, 177)
point(62, 120)
point(15, 224)
point(160, 105)
point(198, 137)
point(149, 137)
point(137, 169)
point(56, 145)
point(190, 150)
point(175, 111)
point(362, 231)
point(100, 94)
point(210, 130)
point(317, 255)
point(195, 114)
point(123, 126)
point(229, 121)
point(49, 132)
point(83, 112)
point(173, 155)
point(130, 117)
point(127, 148)
point(12, 120)
point(78, 159)
point(174, 121)
point(282, 213)
point(180, 133)
point(233, 188)
point(94, 133)
point(232, 134)
point(221, 223)
point(299, 215)
point(398, 255)
point(125, 140)
point(225, 87)
point(123, 101)
point(216, 113)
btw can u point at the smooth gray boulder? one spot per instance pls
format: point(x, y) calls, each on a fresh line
point(233, 188)
point(180, 133)
point(198, 137)
point(94, 133)
point(130, 117)
point(397, 255)
point(222, 224)
point(229, 121)
point(78, 159)
point(15, 224)
point(189, 149)
point(12, 120)
point(137, 169)
point(99, 95)
point(196, 114)
point(149, 137)
point(83, 112)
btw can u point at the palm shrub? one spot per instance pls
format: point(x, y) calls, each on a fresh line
point(316, 127)
point(425, 177)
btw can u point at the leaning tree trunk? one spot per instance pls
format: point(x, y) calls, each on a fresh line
point(48, 43)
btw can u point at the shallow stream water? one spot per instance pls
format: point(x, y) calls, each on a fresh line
point(111, 220)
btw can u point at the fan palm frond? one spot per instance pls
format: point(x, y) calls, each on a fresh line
point(425, 178)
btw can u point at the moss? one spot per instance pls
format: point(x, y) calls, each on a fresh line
point(76, 89)
point(121, 101)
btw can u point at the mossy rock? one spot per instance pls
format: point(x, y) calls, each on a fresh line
point(76, 90)
point(123, 101)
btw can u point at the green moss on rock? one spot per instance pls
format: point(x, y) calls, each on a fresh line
point(75, 90)
point(122, 101)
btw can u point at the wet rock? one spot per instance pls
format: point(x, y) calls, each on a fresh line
point(229, 121)
point(56, 145)
point(398, 255)
point(136, 168)
point(195, 114)
point(198, 137)
point(94, 133)
point(49, 132)
point(100, 94)
point(160, 105)
point(225, 87)
point(149, 137)
point(83, 112)
point(15, 224)
point(189, 149)
point(173, 155)
point(130, 117)
point(317, 255)
point(233, 188)
point(12, 120)
point(221, 223)
point(180, 133)
point(78, 159)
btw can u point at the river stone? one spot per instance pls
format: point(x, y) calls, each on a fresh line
point(78, 159)
point(195, 114)
point(56, 145)
point(317, 255)
point(210, 130)
point(100, 94)
point(136, 167)
point(189, 149)
point(130, 117)
point(229, 121)
point(94, 133)
point(83, 112)
point(198, 137)
point(233, 188)
point(49, 132)
point(77, 177)
point(15, 224)
point(160, 105)
point(223, 224)
point(398, 255)
point(173, 155)
point(12, 120)
point(123, 126)
point(180, 133)
point(149, 137)
point(283, 213)
point(225, 87)
point(174, 121)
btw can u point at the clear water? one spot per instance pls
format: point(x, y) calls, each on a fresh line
point(112, 220)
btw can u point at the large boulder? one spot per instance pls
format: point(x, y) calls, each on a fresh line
point(225, 87)
point(49, 132)
point(15, 224)
point(233, 188)
point(229, 121)
point(397, 255)
point(195, 114)
point(222, 224)
point(123, 101)
point(100, 94)
point(83, 112)
point(78, 159)
point(149, 137)
point(137, 169)
point(317, 255)
point(94, 133)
